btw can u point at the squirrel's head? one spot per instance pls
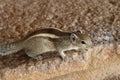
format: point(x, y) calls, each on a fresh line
point(80, 39)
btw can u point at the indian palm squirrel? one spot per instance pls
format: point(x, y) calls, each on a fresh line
point(47, 40)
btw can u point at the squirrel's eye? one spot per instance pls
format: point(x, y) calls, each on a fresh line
point(83, 42)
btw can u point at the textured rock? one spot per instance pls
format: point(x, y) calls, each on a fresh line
point(100, 18)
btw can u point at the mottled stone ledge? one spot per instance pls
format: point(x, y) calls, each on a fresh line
point(100, 18)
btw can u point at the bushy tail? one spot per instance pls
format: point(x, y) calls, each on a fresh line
point(10, 48)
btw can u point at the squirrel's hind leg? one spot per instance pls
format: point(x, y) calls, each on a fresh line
point(38, 57)
point(33, 54)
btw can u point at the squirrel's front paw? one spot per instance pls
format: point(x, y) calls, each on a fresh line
point(65, 58)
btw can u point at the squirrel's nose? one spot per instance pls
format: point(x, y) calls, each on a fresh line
point(86, 49)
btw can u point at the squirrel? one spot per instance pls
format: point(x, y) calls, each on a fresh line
point(47, 40)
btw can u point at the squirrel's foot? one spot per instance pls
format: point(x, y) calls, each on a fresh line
point(65, 58)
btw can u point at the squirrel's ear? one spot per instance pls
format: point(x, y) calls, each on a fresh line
point(80, 30)
point(73, 37)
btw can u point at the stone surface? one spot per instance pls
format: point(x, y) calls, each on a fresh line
point(100, 18)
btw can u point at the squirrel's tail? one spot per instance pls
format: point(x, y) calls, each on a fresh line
point(10, 48)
